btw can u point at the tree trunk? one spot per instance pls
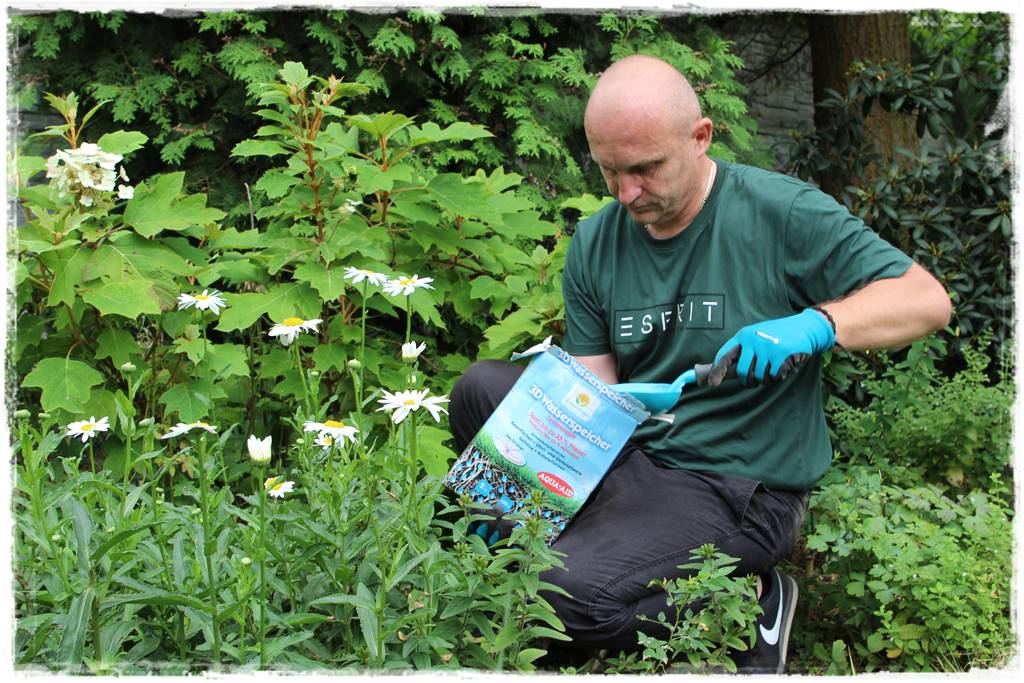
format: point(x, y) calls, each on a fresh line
point(837, 42)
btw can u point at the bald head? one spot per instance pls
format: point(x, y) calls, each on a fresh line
point(640, 88)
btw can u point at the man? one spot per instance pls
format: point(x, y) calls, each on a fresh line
point(703, 260)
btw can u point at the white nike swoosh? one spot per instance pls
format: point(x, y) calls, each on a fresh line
point(771, 636)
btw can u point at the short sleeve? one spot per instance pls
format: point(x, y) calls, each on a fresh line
point(830, 253)
point(586, 324)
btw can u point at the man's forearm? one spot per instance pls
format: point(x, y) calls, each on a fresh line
point(891, 313)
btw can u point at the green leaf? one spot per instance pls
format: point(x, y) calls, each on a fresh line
point(294, 73)
point(65, 383)
point(380, 125)
point(193, 347)
point(160, 598)
point(122, 142)
point(431, 132)
point(159, 208)
point(129, 298)
point(191, 401)
point(117, 345)
point(82, 524)
point(368, 620)
point(275, 646)
point(76, 628)
point(586, 204)
point(276, 183)
point(228, 360)
point(259, 148)
point(460, 197)
point(277, 303)
point(329, 282)
point(114, 540)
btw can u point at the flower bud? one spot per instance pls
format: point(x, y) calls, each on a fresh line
point(411, 351)
point(259, 449)
point(314, 373)
point(128, 367)
point(148, 422)
point(55, 538)
point(246, 561)
point(355, 364)
point(22, 414)
point(44, 416)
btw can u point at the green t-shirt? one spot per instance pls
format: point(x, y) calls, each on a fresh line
point(764, 246)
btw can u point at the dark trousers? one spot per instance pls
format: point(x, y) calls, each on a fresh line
point(640, 523)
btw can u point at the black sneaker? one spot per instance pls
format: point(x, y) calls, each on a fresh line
point(768, 655)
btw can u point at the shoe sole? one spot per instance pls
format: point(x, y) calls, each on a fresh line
point(788, 610)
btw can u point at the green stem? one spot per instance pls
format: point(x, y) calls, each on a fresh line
point(408, 318)
point(263, 568)
point(305, 381)
point(208, 548)
point(92, 458)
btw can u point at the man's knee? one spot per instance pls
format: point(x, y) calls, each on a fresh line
point(482, 376)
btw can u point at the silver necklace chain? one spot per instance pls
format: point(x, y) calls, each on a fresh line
point(707, 192)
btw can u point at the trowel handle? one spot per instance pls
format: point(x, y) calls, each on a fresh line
point(710, 375)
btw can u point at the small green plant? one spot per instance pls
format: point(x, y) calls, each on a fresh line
point(714, 614)
point(955, 430)
point(911, 578)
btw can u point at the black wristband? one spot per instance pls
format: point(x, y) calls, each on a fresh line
point(831, 321)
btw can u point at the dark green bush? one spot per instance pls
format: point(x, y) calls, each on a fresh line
point(946, 203)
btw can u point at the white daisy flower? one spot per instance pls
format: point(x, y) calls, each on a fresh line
point(88, 428)
point(357, 275)
point(289, 328)
point(334, 428)
point(410, 351)
point(407, 284)
point(208, 300)
point(401, 403)
point(259, 449)
point(277, 488)
point(325, 441)
point(185, 427)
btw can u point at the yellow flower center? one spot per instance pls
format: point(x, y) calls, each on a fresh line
point(292, 322)
point(409, 402)
point(87, 427)
point(270, 483)
point(334, 423)
point(202, 297)
point(406, 281)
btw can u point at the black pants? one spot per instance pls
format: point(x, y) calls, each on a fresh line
point(639, 524)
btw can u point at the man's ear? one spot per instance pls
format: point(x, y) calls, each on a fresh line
point(702, 133)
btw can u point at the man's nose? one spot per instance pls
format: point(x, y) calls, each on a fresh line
point(629, 189)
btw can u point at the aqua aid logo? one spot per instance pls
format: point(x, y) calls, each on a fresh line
point(555, 484)
point(582, 401)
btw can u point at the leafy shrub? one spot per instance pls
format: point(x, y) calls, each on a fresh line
point(948, 430)
point(715, 616)
point(905, 577)
point(946, 203)
point(189, 83)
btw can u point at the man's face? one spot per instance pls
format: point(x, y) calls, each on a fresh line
point(649, 167)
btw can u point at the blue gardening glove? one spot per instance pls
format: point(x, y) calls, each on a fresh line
point(766, 352)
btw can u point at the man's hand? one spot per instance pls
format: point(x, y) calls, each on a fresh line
point(766, 352)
